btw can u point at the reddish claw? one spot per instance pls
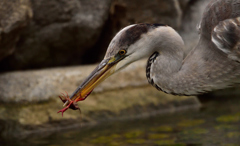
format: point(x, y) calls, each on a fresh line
point(63, 97)
point(72, 104)
point(64, 109)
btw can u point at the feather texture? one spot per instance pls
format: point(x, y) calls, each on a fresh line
point(214, 63)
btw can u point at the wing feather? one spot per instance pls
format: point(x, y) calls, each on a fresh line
point(221, 24)
point(226, 36)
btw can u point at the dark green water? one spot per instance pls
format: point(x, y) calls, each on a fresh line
point(217, 123)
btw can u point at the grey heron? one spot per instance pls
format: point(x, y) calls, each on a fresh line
point(213, 64)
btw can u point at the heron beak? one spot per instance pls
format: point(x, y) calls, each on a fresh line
point(98, 75)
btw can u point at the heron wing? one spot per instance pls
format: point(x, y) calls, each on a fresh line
point(220, 25)
point(207, 62)
point(226, 36)
point(216, 12)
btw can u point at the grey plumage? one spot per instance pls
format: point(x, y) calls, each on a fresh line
point(226, 36)
point(213, 64)
point(210, 66)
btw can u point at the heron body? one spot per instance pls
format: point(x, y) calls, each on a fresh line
point(213, 64)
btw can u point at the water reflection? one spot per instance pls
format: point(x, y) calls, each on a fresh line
point(218, 123)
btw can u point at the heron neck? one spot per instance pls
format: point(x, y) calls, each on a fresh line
point(201, 71)
point(164, 66)
point(173, 74)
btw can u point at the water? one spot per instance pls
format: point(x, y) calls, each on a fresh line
point(217, 123)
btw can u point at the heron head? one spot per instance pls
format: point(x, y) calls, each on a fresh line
point(130, 44)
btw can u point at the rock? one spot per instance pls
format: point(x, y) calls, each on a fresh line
point(125, 95)
point(29, 120)
point(14, 16)
point(59, 33)
point(42, 85)
point(67, 32)
point(41, 119)
point(124, 12)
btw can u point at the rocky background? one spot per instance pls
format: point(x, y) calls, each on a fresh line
point(40, 41)
point(42, 34)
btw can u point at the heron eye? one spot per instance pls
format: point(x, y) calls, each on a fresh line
point(122, 52)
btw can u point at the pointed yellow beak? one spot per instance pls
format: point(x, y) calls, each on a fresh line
point(98, 75)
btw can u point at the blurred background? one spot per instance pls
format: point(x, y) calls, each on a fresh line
point(48, 47)
point(43, 34)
